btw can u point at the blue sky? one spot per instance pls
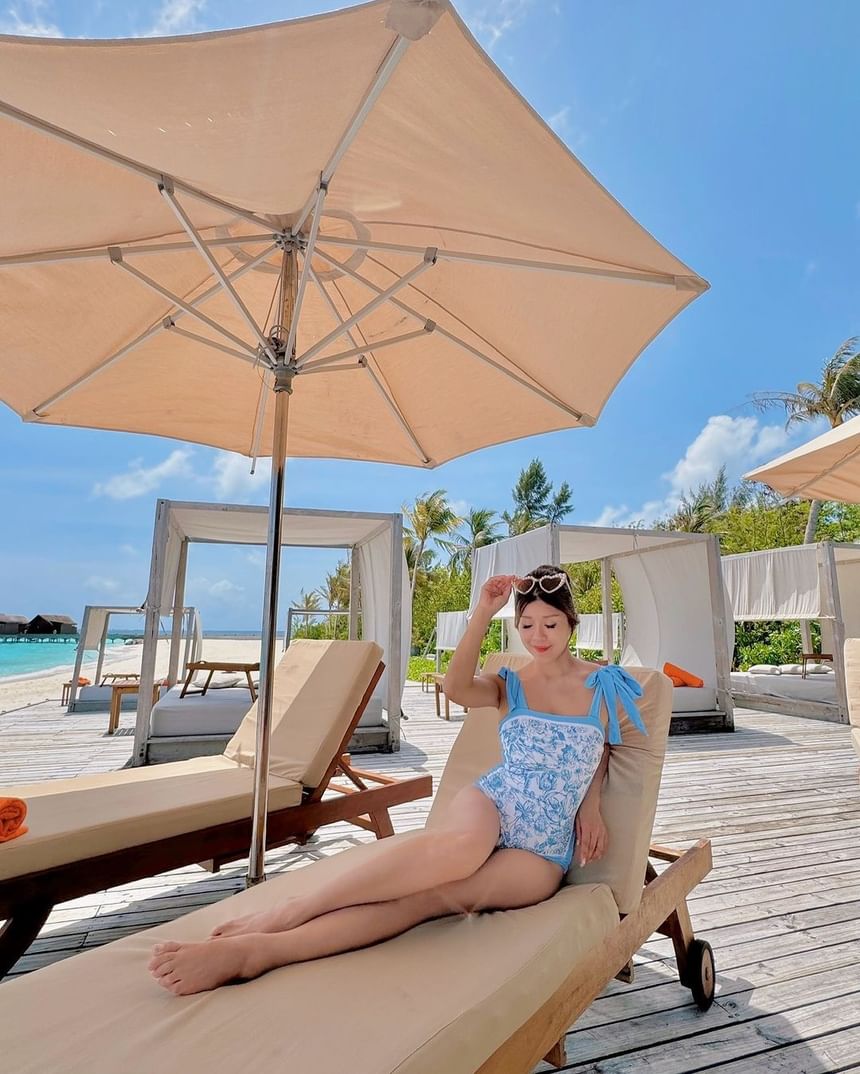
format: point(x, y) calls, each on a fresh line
point(728, 130)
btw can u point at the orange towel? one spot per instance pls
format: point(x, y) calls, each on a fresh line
point(686, 678)
point(12, 814)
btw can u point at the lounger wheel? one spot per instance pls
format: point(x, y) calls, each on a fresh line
point(700, 977)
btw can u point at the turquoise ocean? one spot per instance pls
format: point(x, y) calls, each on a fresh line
point(38, 657)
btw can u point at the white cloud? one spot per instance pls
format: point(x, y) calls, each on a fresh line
point(176, 17)
point(128, 549)
point(233, 480)
point(558, 120)
point(736, 443)
point(223, 589)
point(489, 22)
point(460, 507)
point(256, 557)
point(101, 585)
point(28, 20)
point(139, 480)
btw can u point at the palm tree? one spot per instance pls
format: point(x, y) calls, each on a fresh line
point(480, 531)
point(308, 602)
point(334, 593)
point(535, 504)
point(835, 398)
point(429, 517)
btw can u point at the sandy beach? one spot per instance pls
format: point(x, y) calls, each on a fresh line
point(16, 693)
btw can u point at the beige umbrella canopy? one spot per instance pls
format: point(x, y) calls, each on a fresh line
point(355, 211)
point(827, 468)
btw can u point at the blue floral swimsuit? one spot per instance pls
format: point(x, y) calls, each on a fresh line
point(548, 762)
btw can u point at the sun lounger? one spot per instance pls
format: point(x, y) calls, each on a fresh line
point(99, 831)
point(491, 992)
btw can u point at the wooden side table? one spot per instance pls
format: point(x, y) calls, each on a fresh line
point(219, 665)
point(118, 690)
point(813, 658)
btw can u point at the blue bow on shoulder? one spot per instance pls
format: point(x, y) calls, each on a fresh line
point(612, 684)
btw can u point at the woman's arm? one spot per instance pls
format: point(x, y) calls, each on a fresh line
point(461, 683)
point(590, 831)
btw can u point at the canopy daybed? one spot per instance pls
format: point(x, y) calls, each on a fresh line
point(95, 628)
point(674, 603)
point(176, 728)
point(801, 583)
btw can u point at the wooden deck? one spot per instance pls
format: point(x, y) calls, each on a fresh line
point(780, 800)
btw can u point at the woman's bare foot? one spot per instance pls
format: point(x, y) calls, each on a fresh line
point(286, 915)
point(185, 968)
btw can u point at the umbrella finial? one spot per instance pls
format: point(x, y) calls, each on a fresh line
point(414, 18)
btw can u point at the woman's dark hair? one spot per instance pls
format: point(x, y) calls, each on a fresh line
point(561, 598)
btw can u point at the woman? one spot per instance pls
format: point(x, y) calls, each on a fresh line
point(507, 840)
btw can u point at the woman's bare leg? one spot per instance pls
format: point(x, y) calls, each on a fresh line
point(510, 879)
point(431, 859)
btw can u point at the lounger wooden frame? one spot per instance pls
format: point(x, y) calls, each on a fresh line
point(663, 909)
point(26, 901)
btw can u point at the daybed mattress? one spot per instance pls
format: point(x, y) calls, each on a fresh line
point(453, 991)
point(217, 712)
point(694, 699)
point(813, 688)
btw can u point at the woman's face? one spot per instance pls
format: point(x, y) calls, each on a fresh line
point(544, 630)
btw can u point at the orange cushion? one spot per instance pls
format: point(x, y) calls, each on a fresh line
point(686, 678)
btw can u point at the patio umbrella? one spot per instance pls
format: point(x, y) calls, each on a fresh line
point(344, 236)
point(827, 468)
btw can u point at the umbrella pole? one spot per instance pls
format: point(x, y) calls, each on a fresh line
point(283, 374)
point(283, 389)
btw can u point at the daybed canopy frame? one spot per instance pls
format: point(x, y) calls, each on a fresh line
point(662, 575)
point(800, 583)
point(373, 540)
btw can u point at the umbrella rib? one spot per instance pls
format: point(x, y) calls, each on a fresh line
point(171, 326)
point(625, 274)
point(96, 253)
point(303, 278)
point(64, 135)
point(172, 315)
point(388, 396)
point(167, 192)
point(382, 297)
point(259, 415)
point(383, 74)
point(154, 285)
point(519, 377)
point(317, 363)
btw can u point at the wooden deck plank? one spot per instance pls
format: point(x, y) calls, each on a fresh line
point(779, 799)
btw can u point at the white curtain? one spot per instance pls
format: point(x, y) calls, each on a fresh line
point(669, 615)
point(589, 633)
point(450, 627)
point(515, 555)
point(781, 583)
point(374, 565)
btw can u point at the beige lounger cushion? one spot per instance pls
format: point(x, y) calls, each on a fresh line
point(629, 796)
point(438, 1000)
point(318, 685)
point(75, 819)
point(852, 687)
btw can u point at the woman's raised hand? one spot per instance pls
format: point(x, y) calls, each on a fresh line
point(495, 592)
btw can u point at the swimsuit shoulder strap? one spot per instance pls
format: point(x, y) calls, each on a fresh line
point(513, 686)
point(611, 685)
